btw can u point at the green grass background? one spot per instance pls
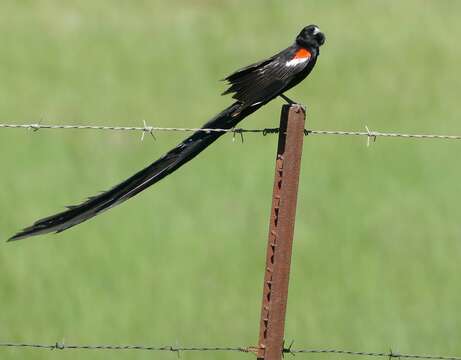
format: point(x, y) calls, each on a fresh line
point(377, 247)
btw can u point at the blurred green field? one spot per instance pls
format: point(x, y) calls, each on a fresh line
point(377, 250)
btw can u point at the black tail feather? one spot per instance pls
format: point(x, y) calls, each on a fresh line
point(175, 158)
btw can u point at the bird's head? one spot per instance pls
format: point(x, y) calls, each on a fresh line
point(311, 36)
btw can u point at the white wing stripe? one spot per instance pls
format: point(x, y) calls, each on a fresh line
point(296, 61)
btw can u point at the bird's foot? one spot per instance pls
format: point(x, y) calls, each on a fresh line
point(288, 100)
point(291, 102)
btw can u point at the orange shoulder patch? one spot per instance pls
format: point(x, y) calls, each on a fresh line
point(302, 54)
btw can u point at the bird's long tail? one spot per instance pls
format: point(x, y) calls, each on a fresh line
point(153, 173)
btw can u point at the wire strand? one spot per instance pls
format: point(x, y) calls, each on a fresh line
point(150, 129)
point(389, 354)
point(171, 348)
point(248, 349)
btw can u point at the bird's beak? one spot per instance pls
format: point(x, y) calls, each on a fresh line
point(320, 37)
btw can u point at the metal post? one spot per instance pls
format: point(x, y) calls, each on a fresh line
point(282, 221)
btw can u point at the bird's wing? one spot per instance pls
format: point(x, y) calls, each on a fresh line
point(261, 82)
point(245, 70)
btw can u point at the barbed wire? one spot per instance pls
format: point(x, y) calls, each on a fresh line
point(171, 348)
point(389, 354)
point(248, 349)
point(370, 134)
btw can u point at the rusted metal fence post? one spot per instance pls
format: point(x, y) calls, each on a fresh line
point(282, 221)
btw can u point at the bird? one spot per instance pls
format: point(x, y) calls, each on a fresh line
point(252, 87)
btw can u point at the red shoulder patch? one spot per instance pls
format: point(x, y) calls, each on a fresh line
point(302, 54)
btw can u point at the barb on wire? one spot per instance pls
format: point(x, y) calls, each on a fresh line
point(150, 129)
point(371, 135)
point(237, 131)
point(147, 129)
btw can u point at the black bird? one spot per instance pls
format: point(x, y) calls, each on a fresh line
point(252, 87)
